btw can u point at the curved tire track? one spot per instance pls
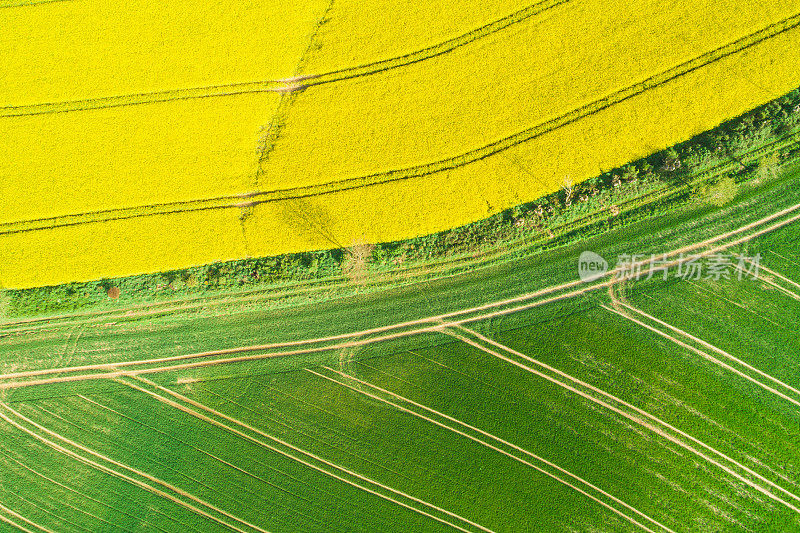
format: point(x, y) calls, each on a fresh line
point(431, 323)
point(638, 416)
point(6, 413)
point(312, 461)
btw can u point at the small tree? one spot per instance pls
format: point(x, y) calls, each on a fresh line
point(672, 161)
point(569, 190)
point(768, 167)
point(630, 173)
point(5, 301)
point(721, 192)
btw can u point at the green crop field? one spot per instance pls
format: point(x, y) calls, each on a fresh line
point(511, 398)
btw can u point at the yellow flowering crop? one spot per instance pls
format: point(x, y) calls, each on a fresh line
point(92, 48)
point(120, 247)
point(630, 129)
point(359, 32)
point(417, 206)
point(470, 109)
point(73, 143)
point(548, 65)
point(86, 161)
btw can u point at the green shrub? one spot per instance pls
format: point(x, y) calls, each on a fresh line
point(721, 192)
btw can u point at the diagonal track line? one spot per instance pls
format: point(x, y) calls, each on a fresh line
point(436, 322)
point(111, 471)
point(491, 446)
point(791, 294)
point(21, 518)
point(243, 200)
point(257, 197)
point(710, 347)
point(788, 292)
point(538, 130)
point(173, 95)
point(291, 456)
point(777, 275)
point(279, 86)
point(637, 418)
point(82, 495)
point(213, 457)
point(25, 3)
point(703, 354)
point(432, 51)
point(13, 524)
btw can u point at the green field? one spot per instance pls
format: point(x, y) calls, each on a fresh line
point(553, 412)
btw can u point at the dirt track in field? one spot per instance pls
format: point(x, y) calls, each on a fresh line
point(495, 448)
point(638, 416)
point(305, 462)
point(108, 470)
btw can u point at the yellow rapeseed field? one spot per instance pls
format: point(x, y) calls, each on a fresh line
point(632, 128)
point(358, 31)
point(75, 162)
point(548, 65)
point(484, 107)
point(120, 247)
point(73, 143)
point(92, 48)
point(403, 209)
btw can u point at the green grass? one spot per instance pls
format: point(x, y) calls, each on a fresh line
point(414, 456)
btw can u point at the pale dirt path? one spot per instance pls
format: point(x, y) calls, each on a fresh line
point(22, 519)
point(632, 417)
point(210, 455)
point(713, 348)
point(115, 373)
point(13, 524)
point(703, 354)
point(613, 274)
point(438, 318)
point(199, 450)
point(737, 304)
point(431, 319)
point(83, 495)
point(318, 340)
point(272, 448)
point(494, 448)
point(779, 276)
point(113, 367)
point(784, 290)
point(770, 282)
point(120, 475)
point(784, 258)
